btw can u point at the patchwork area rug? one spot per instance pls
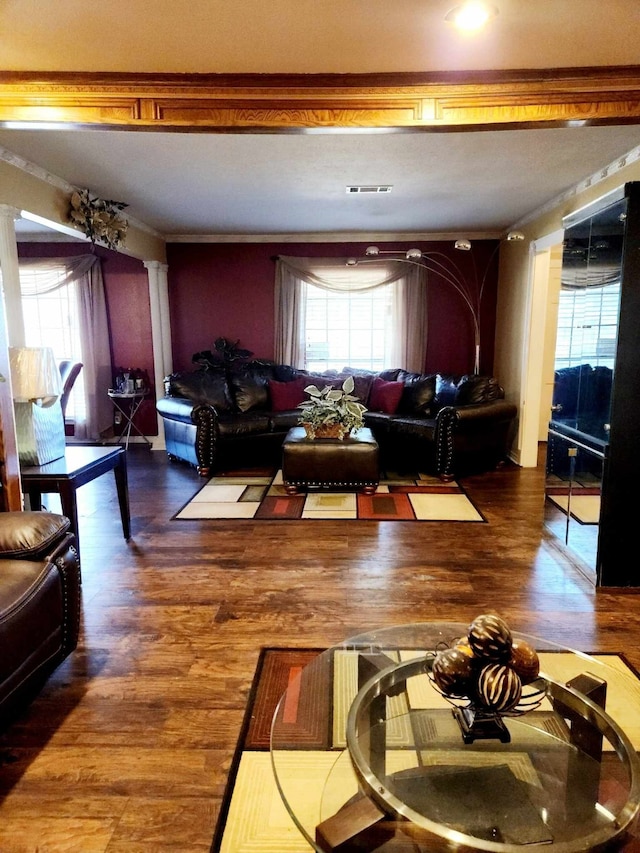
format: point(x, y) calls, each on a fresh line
point(261, 495)
point(253, 817)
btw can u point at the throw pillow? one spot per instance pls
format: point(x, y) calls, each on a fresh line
point(287, 395)
point(385, 396)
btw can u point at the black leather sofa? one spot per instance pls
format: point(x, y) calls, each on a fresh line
point(582, 399)
point(581, 413)
point(39, 603)
point(218, 418)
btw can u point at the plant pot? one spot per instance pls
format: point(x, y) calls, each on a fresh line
point(326, 431)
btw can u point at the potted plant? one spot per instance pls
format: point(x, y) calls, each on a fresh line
point(331, 412)
point(224, 352)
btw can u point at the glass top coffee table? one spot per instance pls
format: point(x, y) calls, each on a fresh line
point(369, 755)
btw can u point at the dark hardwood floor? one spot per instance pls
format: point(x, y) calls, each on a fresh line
point(128, 747)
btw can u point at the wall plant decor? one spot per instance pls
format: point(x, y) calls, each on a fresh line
point(99, 219)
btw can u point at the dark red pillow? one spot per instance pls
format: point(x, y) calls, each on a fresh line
point(385, 396)
point(287, 395)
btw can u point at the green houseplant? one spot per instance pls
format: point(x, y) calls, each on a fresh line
point(331, 412)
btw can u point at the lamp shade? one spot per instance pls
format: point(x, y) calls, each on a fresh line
point(35, 376)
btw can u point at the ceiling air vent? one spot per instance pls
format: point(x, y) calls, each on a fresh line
point(369, 188)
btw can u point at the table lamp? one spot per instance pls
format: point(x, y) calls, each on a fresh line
point(37, 386)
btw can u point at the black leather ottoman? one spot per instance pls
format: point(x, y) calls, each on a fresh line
point(330, 463)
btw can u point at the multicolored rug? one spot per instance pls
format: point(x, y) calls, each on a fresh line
point(253, 817)
point(261, 495)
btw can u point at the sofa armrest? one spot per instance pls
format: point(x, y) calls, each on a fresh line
point(485, 425)
point(496, 410)
point(203, 417)
point(65, 559)
point(182, 409)
point(30, 535)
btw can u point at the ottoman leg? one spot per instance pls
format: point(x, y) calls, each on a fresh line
point(369, 490)
point(290, 489)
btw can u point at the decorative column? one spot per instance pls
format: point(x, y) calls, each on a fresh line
point(160, 332)
point(11, 333)
point(11, 276)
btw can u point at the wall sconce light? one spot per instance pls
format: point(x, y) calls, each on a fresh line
point(36, 386)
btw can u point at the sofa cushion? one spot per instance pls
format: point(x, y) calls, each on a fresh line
point(287, 395)
point(361, 382)
point(362, 385)
point(321, 380)
point(385, 396)
point(29, 535)
point(378, 422)
point(249, 385)
point(477, 389)
point(283, 421)
point(418, 396)
point(284, 372)
point(250, 423)
point(358, 371)
point(390, 375)
point(203, 387)
point(569, 384)
point(446, 390)
point(417, 427)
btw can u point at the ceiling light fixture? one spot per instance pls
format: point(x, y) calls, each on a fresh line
point(471, 16)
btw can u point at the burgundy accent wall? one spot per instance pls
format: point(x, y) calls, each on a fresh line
point(127, 294)
point(227, 290)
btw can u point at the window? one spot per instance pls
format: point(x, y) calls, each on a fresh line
point(587, 326)
point(64, 307)
point(332, 313)
point(348, 328)
point(51, 320)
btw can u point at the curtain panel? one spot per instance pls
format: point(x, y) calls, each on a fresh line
point(85, 271)
point(409, 322)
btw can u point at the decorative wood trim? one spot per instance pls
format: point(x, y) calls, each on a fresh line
point(254, 102)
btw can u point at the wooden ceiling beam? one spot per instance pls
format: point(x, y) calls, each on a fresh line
point(299, 103)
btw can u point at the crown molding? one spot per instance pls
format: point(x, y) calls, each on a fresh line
point(321, 102)
point(24, 165)
point(333, 237)
point(591, 181)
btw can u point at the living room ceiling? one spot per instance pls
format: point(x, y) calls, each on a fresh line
point(260, 184)
point(293, 185)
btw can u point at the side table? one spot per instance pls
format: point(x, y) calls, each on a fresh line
point(78, 466)
point(128, 403)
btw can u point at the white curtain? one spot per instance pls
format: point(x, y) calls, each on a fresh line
point(48, 274)
point(409, 333)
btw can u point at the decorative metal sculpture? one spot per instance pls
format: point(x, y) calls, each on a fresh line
point(487, 675)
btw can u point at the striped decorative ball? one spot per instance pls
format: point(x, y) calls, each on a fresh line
point(490, 638)
point(499, 687)
point(464, 647)
point(525, 661)
point(452, 672)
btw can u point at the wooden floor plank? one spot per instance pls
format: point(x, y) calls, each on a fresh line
point(128, 747)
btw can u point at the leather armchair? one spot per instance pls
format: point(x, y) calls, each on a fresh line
point(39, 603)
